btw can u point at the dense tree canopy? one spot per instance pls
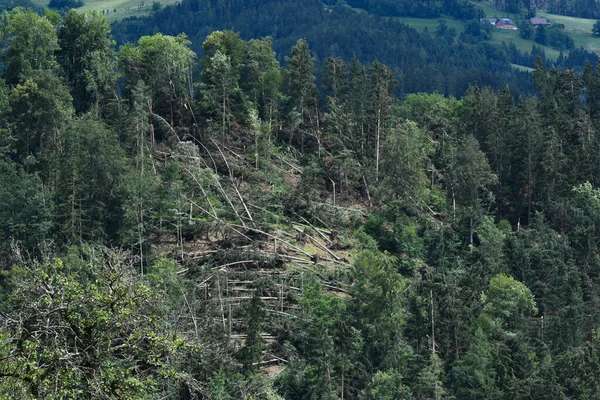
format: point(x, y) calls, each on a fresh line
point(296, 230)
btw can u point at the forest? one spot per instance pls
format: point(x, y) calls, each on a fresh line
point(438, 60)
point(237, 221)
point(434, 61)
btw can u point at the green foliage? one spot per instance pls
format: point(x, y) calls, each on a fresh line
point(387, 386)
point(301, 86)
point(162, 275)
point(314, 374)
point(65, 4)
point(378, 306)
point(26, 209)
point(554, 36)
point(417, 106)
point(470, 178)
point(403, 163)
point(40, 107)
point(433, 64)
point(228, 43)
point(251, 353)
point(6, 139)
point(526, 30)
point(508, 300)
point(430, 384)
point(221, 79)
point(321, 241)
point(164, 64)
point(262, 79)
point(87, 165)
point(596, 29)
point(87, 57)
point(367, 242)
point(85, 326)
point(474, 376)
point(30, 41)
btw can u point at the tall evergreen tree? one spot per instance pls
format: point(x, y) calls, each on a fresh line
point(301, 86)
point(87, 57)
point(382, 100)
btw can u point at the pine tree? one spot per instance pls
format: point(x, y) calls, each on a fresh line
point(301, 86)
point(382, 100)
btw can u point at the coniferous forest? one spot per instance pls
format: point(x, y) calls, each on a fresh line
point(370, 213)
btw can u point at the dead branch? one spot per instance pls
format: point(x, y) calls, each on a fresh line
point(293, 166)
point(311, 225)
point(243, 203)
point(275, 237)
point(233, 263)
point(318, 243)
point(224, 159)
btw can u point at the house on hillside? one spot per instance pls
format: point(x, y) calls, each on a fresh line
point(505, 23)
point(500, 23)
point(539, 22)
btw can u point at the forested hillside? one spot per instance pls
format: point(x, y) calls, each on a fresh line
point(446, 57)
point(435, 61)
point(230, 226)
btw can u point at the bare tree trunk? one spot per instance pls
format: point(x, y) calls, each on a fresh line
point(141, 204)
point(256, 150)
point(529, 180)
point(432, 324)
point(367, 189)
point(151, 125)
point(333, 191)
point(302, 131)
point(224, 116)
point(221, 302)
point(343, 375)
point(377, 145)
point(140, 239)
point(471, 232)
point(73, 205)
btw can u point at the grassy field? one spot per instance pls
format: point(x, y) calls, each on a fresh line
point(580, 30)
point(523, 45)
point(572, 24)
point(117, 9)
point(513, 36)
point(522, 67)
point(499, 35)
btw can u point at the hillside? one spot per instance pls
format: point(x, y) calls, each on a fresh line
point(421, 61)
point(462, 55)
point(580, 29)
point(221, 225)
point(116, 10)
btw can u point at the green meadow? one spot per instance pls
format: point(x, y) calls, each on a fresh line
point(580, 30)
point(117, 9)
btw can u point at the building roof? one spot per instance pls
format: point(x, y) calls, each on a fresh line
point(494, 21)
point(539, 21)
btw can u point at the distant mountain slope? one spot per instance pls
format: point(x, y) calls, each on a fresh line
point(427, 63)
